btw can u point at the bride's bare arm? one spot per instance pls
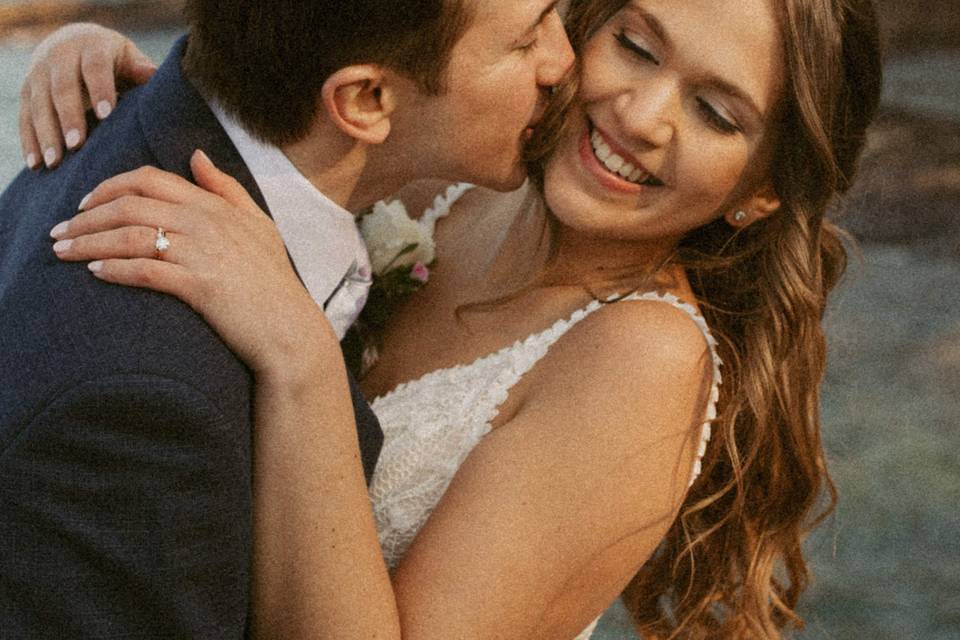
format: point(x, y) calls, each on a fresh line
point(542, 526)
point(318, 571)
point(74, 69)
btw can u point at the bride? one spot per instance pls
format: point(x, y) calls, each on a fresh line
point(556, 428)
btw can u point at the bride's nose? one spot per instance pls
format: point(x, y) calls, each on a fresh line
point(650, 112)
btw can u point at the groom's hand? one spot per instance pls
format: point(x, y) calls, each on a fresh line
point(74, 69)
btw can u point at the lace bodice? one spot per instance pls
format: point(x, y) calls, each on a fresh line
point(432, 423)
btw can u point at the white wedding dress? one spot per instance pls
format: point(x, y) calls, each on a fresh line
point(432, 423)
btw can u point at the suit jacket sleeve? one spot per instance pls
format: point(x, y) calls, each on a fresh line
point(125, 512)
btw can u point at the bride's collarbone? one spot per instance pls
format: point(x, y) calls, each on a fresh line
point(439, 332)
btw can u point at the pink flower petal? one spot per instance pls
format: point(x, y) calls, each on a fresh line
point(420, 273)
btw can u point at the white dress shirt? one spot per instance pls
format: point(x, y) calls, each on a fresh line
point(321, 236)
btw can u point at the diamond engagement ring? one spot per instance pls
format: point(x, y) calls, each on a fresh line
point(161, 245)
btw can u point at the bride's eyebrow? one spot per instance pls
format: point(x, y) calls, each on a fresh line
point(653, 23)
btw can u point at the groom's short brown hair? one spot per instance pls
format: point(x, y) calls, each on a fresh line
point(265, 61)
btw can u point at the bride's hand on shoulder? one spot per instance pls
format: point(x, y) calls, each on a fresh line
point(219, 253)
point(76, 68)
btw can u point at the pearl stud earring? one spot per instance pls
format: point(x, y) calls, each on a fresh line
point(740, 216)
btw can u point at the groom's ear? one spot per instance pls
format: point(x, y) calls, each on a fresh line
point(359, 101)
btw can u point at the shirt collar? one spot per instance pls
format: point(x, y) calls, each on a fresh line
point(321, 236)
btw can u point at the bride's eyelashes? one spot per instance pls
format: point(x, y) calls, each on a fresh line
point(630, 45)
point(708, 112)
point(715, 120)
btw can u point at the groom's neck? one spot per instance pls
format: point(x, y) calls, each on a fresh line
point(351, 173)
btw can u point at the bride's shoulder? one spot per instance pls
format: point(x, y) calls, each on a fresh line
point(657, 332)
point(643, 356)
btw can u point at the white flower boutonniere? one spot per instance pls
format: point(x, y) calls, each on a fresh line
point(393, 239)
point(401, 253)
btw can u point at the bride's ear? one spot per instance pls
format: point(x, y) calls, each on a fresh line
point(762, 204)
point(359, 101)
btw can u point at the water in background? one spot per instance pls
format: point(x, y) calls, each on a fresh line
point(888, 566)
point(14, 60)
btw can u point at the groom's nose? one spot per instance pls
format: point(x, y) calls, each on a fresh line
point(557, 53)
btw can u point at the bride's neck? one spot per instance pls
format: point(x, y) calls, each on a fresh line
point(538, 250)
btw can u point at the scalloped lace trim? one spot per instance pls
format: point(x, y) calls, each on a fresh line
point(528, 351)
point(442, 205)
point(711, 409)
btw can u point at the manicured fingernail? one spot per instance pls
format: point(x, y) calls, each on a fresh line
point(103, 109)
point(60, 230)
point(204, 156)
point(50, 156)
point(62, 245)
point(72, 138)
point(32, 160)
point(83, 203)
point(96, 267)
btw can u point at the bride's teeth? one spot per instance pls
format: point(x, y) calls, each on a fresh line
point(600, 147)
point(613, 162)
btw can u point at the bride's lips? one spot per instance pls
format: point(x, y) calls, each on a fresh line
point(603, 175)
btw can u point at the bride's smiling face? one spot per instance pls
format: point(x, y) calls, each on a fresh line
point(673, 119)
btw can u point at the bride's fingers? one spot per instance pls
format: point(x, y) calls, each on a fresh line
point(122, 212)
point(32, 155)
point(43, 115)
point(149, 182)
point(209, 177)
point(67, 96)
point(165, 277)
point(125, 242)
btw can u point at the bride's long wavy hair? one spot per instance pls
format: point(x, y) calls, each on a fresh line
point(731, 565)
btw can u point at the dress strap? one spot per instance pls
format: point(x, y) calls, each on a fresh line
point(442, 205)
point(711, 410)
point(536, 346)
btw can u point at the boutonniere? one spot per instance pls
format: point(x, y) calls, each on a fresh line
point(401, 254)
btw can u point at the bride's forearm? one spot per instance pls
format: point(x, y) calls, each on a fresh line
point(317, 565)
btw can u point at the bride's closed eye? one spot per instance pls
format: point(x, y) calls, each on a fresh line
point(714, 119)
point(633, 46)
point(710, 113)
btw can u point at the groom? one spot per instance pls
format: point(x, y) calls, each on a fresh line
point(125, 422)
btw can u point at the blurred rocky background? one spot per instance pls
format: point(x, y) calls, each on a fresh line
point(887, 564)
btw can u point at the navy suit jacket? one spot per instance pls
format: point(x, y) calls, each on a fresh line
point(125, 423)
